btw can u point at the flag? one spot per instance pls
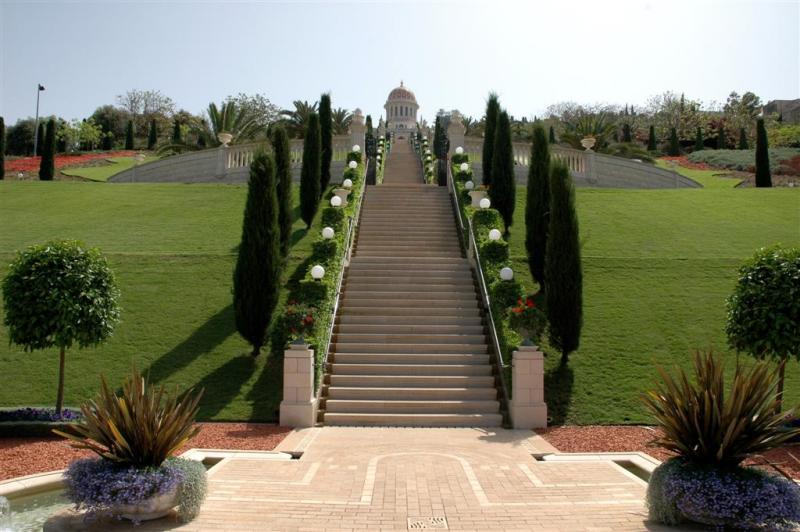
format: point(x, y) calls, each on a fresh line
point(41, 87)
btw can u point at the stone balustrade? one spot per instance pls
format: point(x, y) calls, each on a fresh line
point(299, 405)
point(528, 409)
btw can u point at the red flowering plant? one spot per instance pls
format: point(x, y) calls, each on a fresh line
point(299, 320)
point(527, 319)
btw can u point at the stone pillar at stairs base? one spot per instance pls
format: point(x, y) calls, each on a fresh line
point(528, 409)
point(299, 406)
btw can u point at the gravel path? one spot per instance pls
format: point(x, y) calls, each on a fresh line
point(26, 456)
point(602, 438)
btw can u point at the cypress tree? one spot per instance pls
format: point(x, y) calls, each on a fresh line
point(108, 140)
point(2, 148)
point(552, 135)
point(503, 189)
point(40, 136)
point(743, 139)
point(698, 140)
point(129, 136)
point(152, 136)
point(674, 147)
point(492, 110)
point(256, 278)
point(563, 275)
point(721, 141)
point(626, 133)
point(47, 167)
point(371, 145)
point(652, 144)
point(537, 207)
point(310, 186)
point(176, 133)
point(283, 177)
point(326, 130)
point(763, 176)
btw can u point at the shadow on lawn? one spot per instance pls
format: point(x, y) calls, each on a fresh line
point(223, 385)
point(558, 385)
point(203, 340)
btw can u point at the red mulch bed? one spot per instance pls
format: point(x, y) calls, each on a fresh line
point(600, 439)
point(31, 164)
point(26, 456)
point(686, 163)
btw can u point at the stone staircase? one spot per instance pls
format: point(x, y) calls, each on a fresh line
point(409, 346)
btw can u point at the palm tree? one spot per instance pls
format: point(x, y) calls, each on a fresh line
point(341, 121)
point(295, 120)
point(588, 125)
point(474, 128)
point(228, 119)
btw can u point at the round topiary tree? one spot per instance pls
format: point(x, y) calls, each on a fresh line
point(764, 309)
point(59, 294)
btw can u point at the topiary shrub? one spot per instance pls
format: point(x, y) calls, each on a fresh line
point(333, 217)
point(324, 250)
point(739, 498)
point(458, 158)
point(505, 294)
point(311, 292)
point(487, 219)
point(354, 156)
point(493, 251)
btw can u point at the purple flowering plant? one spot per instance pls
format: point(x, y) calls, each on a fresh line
point(39, 414)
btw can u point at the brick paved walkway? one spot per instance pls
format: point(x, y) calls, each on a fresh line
point(406, 479)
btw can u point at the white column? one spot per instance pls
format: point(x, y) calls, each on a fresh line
point(299, 406)
point(528, 409)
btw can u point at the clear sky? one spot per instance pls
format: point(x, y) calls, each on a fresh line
point(450, 53)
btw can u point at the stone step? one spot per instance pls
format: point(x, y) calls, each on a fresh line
point(400, 358)
point(426, 311)
point(361, 284)
point(404, 277)
point(388, 294)
point(406, 236)
point(412, 381)
point(432, 262)
point(437, 393)
point(413, 319)
point(381, 303)
point(414, 419)
point(408, 252)
point(425, 370)
point(390, 339)
point(420, 348)
point(416, 407)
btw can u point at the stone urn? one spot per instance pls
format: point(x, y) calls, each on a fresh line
point(477, 196)
point(225, 138)
point(588, 143)
point(153, 508)
point(342, 193)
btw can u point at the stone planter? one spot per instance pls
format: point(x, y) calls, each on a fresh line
point(225, 138)
point(477, 196)
point(342, 193)
point(153, 508)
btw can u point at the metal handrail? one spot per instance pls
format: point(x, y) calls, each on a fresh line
point(346, 255)
point(468, 237)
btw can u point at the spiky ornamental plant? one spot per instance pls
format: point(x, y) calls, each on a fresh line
point(152, 136)
point(537, 207)
point(256, 279)
point(763, 175)
point(326, 132)
point(176, 132)
point(626, 133)
point(40, 133)
point(674, 147)
point(503, 189)
point(283, 178)
point(552, 135)
point(47, 166)
point(2, 148)
point(722, 142)
point(492, 111)
point(652, 143)
point(310, 185)
point(129, 136)
point(698, 140)
point(743, 139)
point(563, 272)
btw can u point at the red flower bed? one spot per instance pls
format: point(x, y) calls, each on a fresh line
point(686, 163)
point(31, 164)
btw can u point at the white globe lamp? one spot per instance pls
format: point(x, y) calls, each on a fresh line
point(460, 150)
point(336, 201)
point(506, 274)
point(464, 167)
point(469, 185)
point(352, 165)
point(494, 234)
point(327, 233)
point(347, 183)
point(317, 272)
point(485, 203)
point(356, 148)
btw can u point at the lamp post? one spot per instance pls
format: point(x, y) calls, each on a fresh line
point(39, 89)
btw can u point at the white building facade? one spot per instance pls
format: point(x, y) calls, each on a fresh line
point(401, 110)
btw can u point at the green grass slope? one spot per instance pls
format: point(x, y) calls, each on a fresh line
point(658, 266)
point(104, 172)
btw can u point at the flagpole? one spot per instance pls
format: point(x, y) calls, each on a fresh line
point(39, 89)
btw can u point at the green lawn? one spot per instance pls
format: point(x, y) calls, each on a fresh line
point(658, 265)
point(708, 178)
point(173, 249)
point(102, 173)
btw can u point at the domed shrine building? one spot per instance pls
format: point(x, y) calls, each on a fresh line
point(401, 110)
